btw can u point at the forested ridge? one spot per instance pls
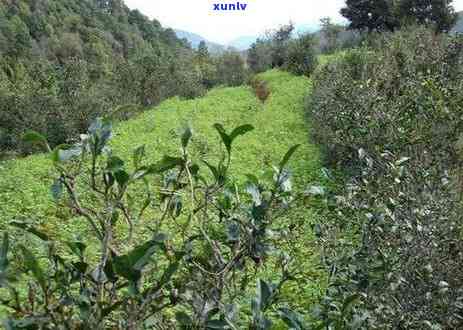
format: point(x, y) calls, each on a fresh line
point(63, 63)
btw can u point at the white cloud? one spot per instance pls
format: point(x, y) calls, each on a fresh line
point(198, 15)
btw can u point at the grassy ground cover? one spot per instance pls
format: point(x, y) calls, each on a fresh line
point(279, 124)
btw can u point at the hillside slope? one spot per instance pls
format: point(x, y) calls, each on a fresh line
point(279, 124)
point(64, 62)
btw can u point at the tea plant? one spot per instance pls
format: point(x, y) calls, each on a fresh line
point(223, 235)
point(391, 117)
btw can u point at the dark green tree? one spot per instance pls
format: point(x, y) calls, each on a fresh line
point(203, 51)
point(280, 41)
point(371, 15)
point(438, 13)
point(259, 56)
point(302, 58)
point(389, 15)
point(230, 69)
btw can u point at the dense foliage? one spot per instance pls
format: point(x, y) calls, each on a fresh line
point(280, 50)
point(391, 118)
point(63, 63)
point(199, 272)
point(157, 130)
point(389, 15)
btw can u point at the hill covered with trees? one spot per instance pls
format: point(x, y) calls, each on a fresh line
point(63, 63)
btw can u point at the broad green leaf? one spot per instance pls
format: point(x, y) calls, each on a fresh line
point(77, 248)
point(349, 301)
point(214, 170)
point(130, 265)
point(186, 136)
point(224, 136)
point(115, 164)
point(264, 293)
point(241, 130)
point(30, 229)
point(167, 163)
point(81, 267)
point(65, 155)
point(122, 178)
point(228, 139)
point(33, 266)
point(4, 252)
point(253, 179)
point(315, 191)
point(288, 156)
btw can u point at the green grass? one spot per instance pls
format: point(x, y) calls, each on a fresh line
point(327, 58)
point(279, 124)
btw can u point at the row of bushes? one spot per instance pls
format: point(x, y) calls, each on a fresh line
point(175, 244)
point(390, 117)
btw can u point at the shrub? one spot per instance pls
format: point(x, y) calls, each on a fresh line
point(231, 69)
point(199, 272)
point(259, 57)
point(391, 118)
point(302, 59)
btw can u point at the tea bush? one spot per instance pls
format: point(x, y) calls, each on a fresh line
point(390, 117)
point(157, 130)
point(224, 234)
point(302, 58)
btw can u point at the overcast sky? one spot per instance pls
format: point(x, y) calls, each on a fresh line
point(198, 16)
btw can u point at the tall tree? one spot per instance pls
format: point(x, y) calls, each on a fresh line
point(388, 15)
point(439, 13)
point(203, 52)
point(371, 15)
point(280, 41)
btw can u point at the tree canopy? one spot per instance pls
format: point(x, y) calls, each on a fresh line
point(389, 15)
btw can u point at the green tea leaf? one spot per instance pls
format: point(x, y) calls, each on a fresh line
point(288, 156)
point(186, 136)
point(115, 164)
point(4, 252)
point(33, 266)
point(30, 229)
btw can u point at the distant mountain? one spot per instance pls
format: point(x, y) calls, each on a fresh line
point(195, 39)
point(306, 28)
point(243, 43)
point(459, 26)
